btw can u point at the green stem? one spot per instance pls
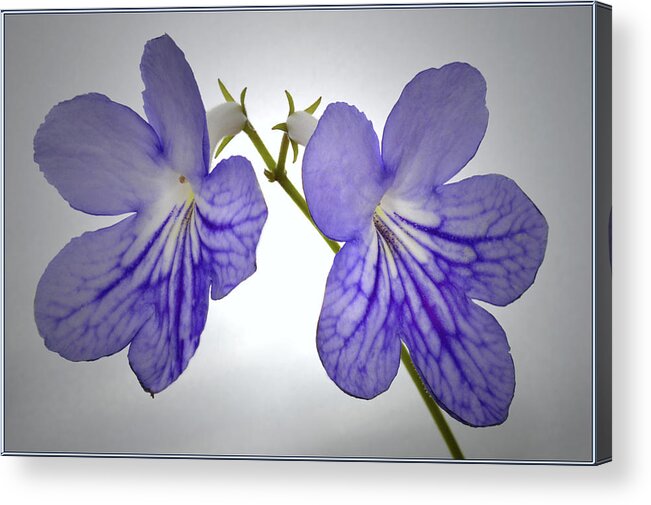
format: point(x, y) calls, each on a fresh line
point(282, 155)
point(276, 172)
point(432, 406)
point(298, 199)
point(259, 145)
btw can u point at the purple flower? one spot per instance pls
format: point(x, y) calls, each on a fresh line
point(145, 280)
point(418, 251)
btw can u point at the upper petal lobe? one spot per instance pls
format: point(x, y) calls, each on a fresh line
point(174, 107)
point(357, 334)
point(101, 156)
point(343, 175)
point(434, 128)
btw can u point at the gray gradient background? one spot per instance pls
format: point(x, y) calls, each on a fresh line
point(256, 385)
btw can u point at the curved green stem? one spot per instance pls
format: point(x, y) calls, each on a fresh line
point(298, 199)
point(259, 145)
point(432, 406)
point(276, 172)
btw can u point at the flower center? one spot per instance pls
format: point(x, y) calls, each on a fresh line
point(400, 233)
point(176, 189)
point(380, 219)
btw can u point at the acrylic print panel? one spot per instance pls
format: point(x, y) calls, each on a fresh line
point(256, 385)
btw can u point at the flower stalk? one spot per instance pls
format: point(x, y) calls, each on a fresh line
point(432, 406)
point(276, 173)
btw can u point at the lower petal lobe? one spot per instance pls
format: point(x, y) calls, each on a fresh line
point(480, 238)
point(214, 242)
point(458, 348)
point(178, 287)
point(482, 234)
point(145, 280)
point(137, 281)
point(230, 214)
point(357, 332)
point(87, 304)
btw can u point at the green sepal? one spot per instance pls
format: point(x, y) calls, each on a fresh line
point(312, 108)
point(281, 126)
point(223, 144)
point(227, 96)
point(291, 103)
point(295, 149)
point(242, 97)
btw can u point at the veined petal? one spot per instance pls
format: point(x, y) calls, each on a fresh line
point(357, 336)
point(458, 348)
point(101, 156)
point(87, 304)
point(178, 285)
point(136, 281)
point(343, 175)
point(482, 234)
point(230, 214)
point(435, 128)
point(174, 108)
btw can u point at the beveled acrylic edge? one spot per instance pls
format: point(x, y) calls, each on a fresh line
point(593, 4)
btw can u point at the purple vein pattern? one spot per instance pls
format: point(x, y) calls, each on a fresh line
point(146, 280)
point(419, 251)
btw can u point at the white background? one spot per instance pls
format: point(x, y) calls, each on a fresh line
point(59, 480)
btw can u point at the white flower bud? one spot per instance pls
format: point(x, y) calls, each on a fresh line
point(301, 126)
point(224, 120)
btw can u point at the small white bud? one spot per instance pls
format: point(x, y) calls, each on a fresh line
point(224, 120)
point(301, 126)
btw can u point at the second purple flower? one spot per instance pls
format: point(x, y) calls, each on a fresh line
point(418, 251)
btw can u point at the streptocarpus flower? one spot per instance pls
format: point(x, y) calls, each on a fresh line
point(418, 251)
point(145, 280)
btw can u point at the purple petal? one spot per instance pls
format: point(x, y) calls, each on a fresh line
point(101, 156)
point(138, 281)
point(343, 175)
point(357, 335)
point(482, 234)
point(87, 304)
point(161, 350)
point(459, 349)
point(230, 214)
point(174, 108)
point(435, 128)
